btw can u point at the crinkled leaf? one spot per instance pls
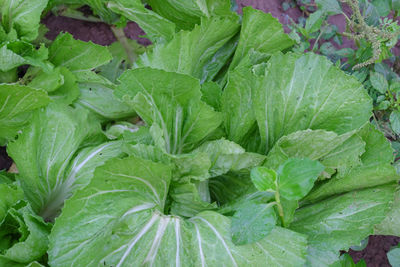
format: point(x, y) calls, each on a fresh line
point(185, 14)
point(339, 222)
point(187, 201)
point(124, 204)
point(191, 52)
point(338, 153)
point(307, 92)
point(172, 101)
point(262, 32)
point(375, 168)
point(23, 235)
point(227, 156)
point(10, 195)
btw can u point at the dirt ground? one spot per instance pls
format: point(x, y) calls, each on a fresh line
point(100, 33)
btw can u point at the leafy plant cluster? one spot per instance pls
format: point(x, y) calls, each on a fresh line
point(373, 27)
point(219, 145)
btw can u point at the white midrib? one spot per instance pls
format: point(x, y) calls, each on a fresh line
point(217, 234)
point(134, 240)
point(162, 225)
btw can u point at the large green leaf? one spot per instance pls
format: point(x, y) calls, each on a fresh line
point(157, 28)
point(44, 149)
point(307, 92)
point(172, 101)
point(16, 103)
point(22, 16)
point(261, 32)
point(328, 147)
point(191, 52)
point(236, 104)
point(375, 168)
point(185, 14)
point(339, 222)
point(118, 220)
point(77, 55)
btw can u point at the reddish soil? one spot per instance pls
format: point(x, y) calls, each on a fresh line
point(375, 252)
point(100, 33)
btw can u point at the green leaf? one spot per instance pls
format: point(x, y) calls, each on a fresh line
point(18, 53)
point(171, 101)
point(68, 92)
point(331, 7)
point(252, 222)
point(264, 179)
point(99, 98)
point(375, 168)
point(191, 52)
point(227, 156)
point(314, 21)
point(77, 55)
point(16, 103)
point(304, 98)
point(379, 82)
point(236, 104)
point(338, 153)
point(188, 13)
point(346, 261)
point(124, 203)
point(23, 16)
point(395, 121)
point(394, 256)
point(48, 81)
point(42, 153)
point(389, 225)
point(261, 32)
point(339, 222)
point(187, 201)
point(211, 94)
point(157, 28)
point(297, 177)
point(23, 235)
point(10, 195)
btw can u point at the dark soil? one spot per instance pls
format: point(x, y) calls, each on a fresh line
point(5, 160)
point(375, 252)
point(100, 33)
